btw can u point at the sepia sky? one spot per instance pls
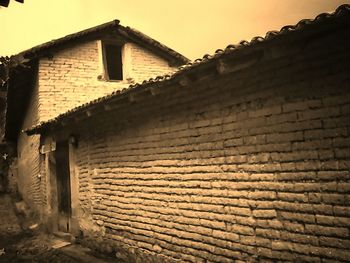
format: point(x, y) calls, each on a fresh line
point(191, 27)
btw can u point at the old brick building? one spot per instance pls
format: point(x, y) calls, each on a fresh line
point(54, 77)
point(239, 156)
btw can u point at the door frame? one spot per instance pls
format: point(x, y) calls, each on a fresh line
point(64, 202)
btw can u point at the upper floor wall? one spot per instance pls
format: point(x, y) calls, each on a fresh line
point(80, 74)
point(69, 78)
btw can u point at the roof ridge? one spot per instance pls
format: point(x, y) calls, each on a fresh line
point(139, 36)
point(85, 31)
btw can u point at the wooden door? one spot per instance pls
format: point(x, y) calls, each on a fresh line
point(63, 186)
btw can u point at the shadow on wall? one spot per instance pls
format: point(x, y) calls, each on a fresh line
point(8, 182)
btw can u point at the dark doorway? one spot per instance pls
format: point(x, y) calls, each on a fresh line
point(63, 186)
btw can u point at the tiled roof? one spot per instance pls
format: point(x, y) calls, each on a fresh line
point(341, 11)
point(137, 36)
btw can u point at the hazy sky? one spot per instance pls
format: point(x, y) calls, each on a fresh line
point(191, 27)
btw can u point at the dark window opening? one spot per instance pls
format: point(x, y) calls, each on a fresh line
point(113, 61)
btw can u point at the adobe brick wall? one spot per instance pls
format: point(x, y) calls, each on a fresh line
point(65, 81)
point(247, 166)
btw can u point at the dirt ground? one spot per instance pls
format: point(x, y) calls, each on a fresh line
point(26, 247)
point(21, 244)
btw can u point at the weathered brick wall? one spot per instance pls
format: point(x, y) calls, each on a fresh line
point(145, 65)
point(251, 165)
point(70, 77)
